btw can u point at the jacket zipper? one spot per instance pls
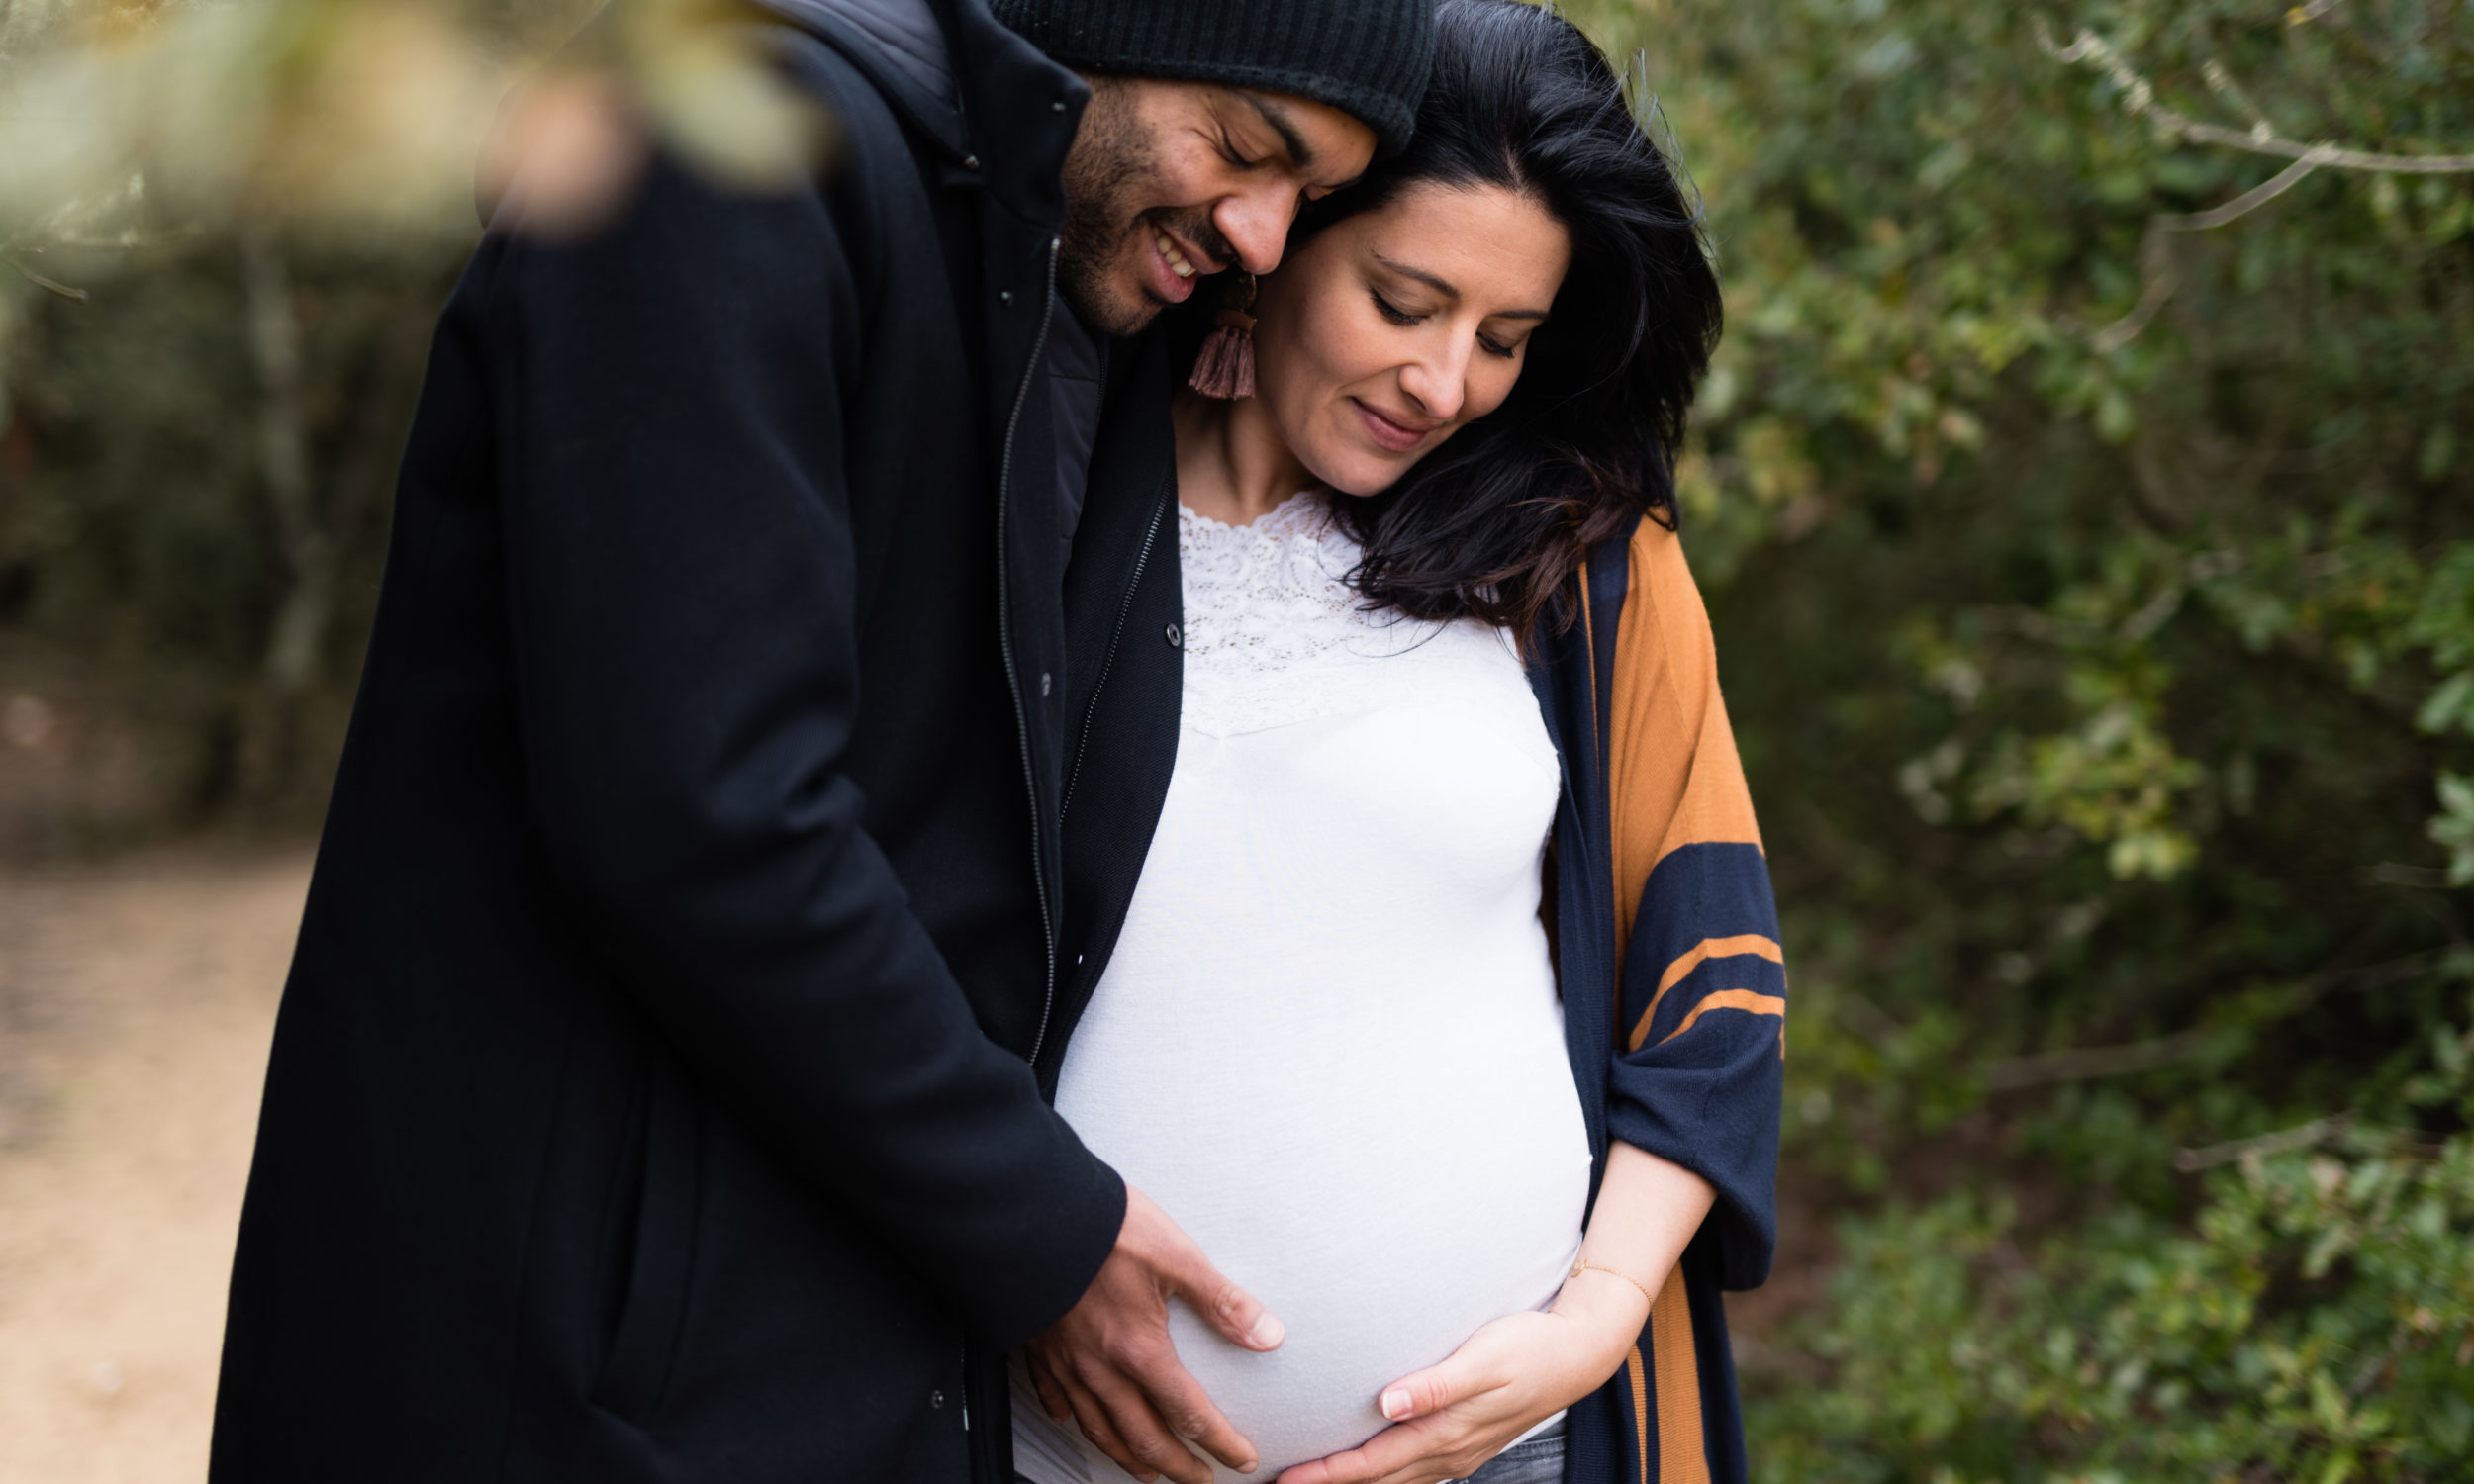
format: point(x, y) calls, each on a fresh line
point(1021, 716)
point(1107, 662)
point(1014, 679)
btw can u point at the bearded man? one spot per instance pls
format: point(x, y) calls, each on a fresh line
point(659, 1089)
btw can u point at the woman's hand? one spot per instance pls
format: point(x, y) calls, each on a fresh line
point(1448, 1419)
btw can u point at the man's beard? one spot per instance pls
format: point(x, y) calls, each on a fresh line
point(1107, 176)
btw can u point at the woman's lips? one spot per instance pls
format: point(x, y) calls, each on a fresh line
point(1399, 437)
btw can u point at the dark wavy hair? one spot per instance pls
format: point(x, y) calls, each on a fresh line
point(1495, 523)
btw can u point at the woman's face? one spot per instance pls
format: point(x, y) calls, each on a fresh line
point(1393, 330)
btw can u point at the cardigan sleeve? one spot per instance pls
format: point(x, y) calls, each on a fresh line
point(1701, 999)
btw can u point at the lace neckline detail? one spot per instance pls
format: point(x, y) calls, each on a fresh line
point(1275, 634)
point(1295, 512)
point(1263, 596)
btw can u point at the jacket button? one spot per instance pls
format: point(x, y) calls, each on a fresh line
point(1056, 107)
point(936, 1399)
point(1046, 680)
point(1176, 640)
point(1005, 297)
point(970, 162)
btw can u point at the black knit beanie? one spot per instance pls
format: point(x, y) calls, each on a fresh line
point(1366, 58)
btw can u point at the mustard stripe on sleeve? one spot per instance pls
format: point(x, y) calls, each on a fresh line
point(1708, 948)
point(1674, 777)
point(1735, 999)
point(1680, 1459)
point(1639, 1407)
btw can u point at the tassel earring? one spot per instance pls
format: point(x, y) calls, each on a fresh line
point(1225, 368)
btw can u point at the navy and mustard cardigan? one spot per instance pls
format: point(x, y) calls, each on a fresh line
point(1674, 987)
point(1667, 945)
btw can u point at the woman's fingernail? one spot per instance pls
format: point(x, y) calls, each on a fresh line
point(1396, 1405)
point(1267, 1331)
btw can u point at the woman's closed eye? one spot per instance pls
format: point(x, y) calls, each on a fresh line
point(1392, 310)
point(1399, 315)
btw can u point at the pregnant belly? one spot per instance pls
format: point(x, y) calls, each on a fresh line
point(1354, 1330)
point(1383, 1214)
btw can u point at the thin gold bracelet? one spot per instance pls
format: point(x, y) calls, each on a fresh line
point(1579, 1268)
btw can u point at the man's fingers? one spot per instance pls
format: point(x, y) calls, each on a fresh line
point(1181, 1265)
point(1051, 1394)
point(1147, 1440)
point(1189, 1410)
point(1123, 1356)
point(1093, 1419)
point(1229, 1309)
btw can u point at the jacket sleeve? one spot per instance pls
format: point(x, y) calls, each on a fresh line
point(1701, 1024)
point(681, 581)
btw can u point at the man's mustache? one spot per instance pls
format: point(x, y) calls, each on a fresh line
point(1197, 230)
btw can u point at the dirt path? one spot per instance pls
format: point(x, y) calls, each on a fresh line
point(135, 1001)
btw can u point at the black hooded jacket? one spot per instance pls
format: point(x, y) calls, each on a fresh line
point(653, 1096)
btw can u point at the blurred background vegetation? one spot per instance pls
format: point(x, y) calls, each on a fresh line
point(2085, 495)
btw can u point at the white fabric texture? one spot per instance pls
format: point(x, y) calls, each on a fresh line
point(1328, 1043)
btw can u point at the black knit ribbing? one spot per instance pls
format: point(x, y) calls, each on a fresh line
point(1366, 58)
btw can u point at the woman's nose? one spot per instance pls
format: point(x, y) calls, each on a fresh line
point(1438, 386)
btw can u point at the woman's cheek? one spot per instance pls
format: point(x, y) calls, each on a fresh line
point(1493, 390)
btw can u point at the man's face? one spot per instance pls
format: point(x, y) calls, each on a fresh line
point(1170, 181)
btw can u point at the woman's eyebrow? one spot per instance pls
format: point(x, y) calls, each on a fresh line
point(1440, 286)
point(1444, 287)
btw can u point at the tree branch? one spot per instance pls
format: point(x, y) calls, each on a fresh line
point(51, 286)
point(2299, 1136)
point(2151, 298)
point(2139, 97)
point(2243, 205)
point(300, 621)
point(2080, 1063)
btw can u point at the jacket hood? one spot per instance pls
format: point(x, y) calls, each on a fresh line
point(902, 47)
point(994, 102)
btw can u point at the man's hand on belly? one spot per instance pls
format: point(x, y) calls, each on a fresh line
point(1110, 1366)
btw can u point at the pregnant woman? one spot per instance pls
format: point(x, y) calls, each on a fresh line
point(1447, 1015)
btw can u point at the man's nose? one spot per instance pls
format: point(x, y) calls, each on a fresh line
point(1255, 223)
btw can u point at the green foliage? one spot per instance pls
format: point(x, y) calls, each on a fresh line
point(2313, 1321)
point(2095, 592)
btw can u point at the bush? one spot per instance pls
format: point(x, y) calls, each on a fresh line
point(2082, 492)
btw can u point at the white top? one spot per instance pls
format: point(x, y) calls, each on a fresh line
point(1329, 1042)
